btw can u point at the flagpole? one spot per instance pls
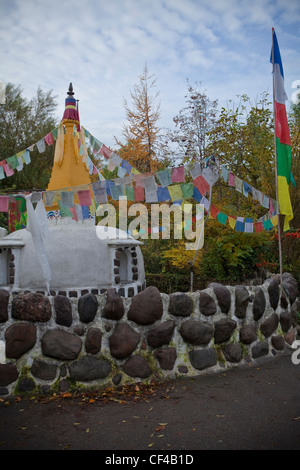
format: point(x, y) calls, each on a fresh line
point(276, 173)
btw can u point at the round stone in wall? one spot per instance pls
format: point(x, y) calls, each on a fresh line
point(196, 332)
point(203, 358)
point(31, 307)
point(114, 307)
point(207, 304)
point(20, 338)
point(137, 366)
point(146, 307)
point(60, 344)
point(223, 296)
point(123, 341)
point(180, 305)
point(63, 310)
point(87, 307)
point(89, 368)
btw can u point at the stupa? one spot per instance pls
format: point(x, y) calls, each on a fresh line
point(69, 169)
point(70, 256)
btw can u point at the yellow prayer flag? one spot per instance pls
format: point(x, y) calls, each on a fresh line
point(232, 222)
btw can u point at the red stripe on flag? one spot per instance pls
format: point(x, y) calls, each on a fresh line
point(282, 126)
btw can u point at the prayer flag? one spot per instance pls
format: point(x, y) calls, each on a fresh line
point(126, 166)
point(175, 192)
point(232, 222)
point(222, 218)
point(41, 145)
point(231, 179)
point(4, 203)
point(258, 227)
point(197, 195)
point(85, 198)
point(139, 194)
point(163, 194)
point(282, 135)
point(214, 211)
point(8, 170)
point(201, 184)
point(187, 190)
point(106, 152)
point(13, 162)
point(178, 175)
point(240, 226)
point(164, 177)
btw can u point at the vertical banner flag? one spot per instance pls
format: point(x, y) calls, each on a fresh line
point(282, 135)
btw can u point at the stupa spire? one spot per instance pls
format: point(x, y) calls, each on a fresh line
point(71, 108)
point(69, 170)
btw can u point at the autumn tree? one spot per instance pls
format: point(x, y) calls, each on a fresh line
point(192, 125)
point(141, 133)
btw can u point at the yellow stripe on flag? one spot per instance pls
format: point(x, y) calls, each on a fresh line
point(285, 206)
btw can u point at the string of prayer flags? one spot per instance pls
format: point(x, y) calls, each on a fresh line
point(246, 189)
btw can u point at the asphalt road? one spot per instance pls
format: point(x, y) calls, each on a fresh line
point(255, 407)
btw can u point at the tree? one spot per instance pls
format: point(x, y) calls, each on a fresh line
point(142, 132)
point(23, 123)
point(294, 125)
point(192, 125)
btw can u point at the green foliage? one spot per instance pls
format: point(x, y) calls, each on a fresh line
point(23, 123)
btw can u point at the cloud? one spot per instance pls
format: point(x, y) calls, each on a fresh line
point(102, 46)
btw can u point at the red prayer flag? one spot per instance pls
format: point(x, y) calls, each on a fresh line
point(139, 194)
point(258, 227)
point(178, 175)
point(201, 184)
point(4, 203)
point(85, 198)
point(214, 211)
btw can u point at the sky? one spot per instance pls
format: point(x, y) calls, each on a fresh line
point(102, 46)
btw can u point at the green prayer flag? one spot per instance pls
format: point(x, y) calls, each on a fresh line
point(222, 218)
point(187, 190)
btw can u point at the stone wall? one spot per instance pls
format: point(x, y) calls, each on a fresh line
point(60, 343)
